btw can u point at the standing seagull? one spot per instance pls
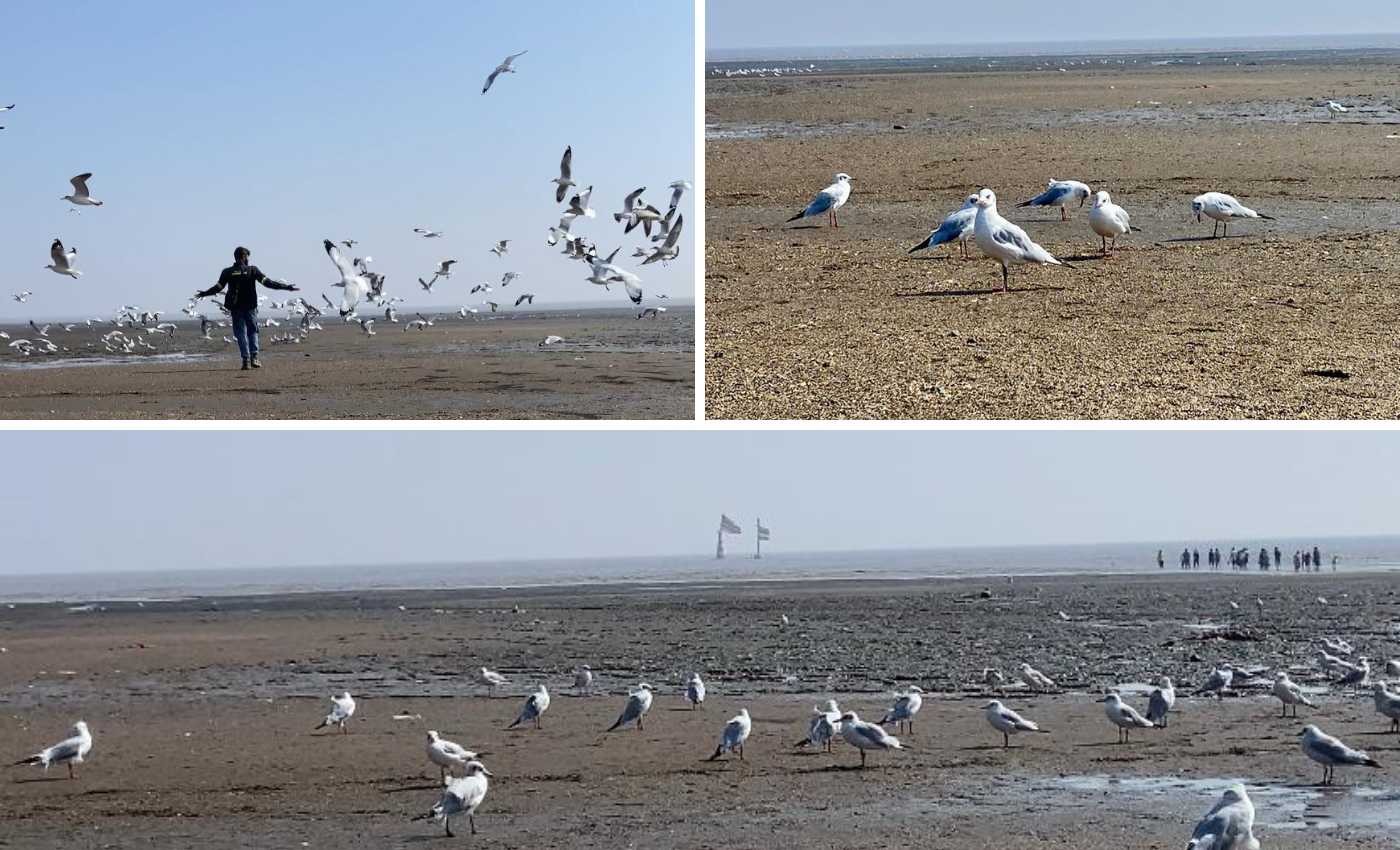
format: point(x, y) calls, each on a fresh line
point(1222, 208)
point(63, 260)
point(735, 733)
point(1219, 681)
point(1108, 220)
point(825, 725)
point(1229, 825)
point(1005, 242)
point(828, 201)
point(446, 754)
point(536, 705)
point(491, 679)
point(1059, 193)
point(80, 196)
point(462, 796)
point(1124, 716)
point(566, 175)
point(583, 679)
point(1334, 109)
point(1036, 680)
point(638, 704)
point(905, 707)
point(342, 709)
point(1330, 752)
point(1387, 704)
point(957, 225)
point(1160, 703)
point(866, 736)
point(69, 751)
point(1008, 722)
point(507, 66)
point(695, 691)
point(1289, 693)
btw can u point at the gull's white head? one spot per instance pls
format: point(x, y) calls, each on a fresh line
point(1235, 793)
point(996, 703)
point(850, 717)
point(969, 202)
point(1111, 698)
point(1101, 198)
point(432, 735)
point(1198, 204)
point(644, 686)
point(472, 768)
point(1165, 682)
point(843, 177)
point(831, 706)
point(1310, 731)
point(81, 727)
point(987, 200)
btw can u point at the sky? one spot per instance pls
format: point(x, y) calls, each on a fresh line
point(277, 124)
point(95, 501)
point(808, 23)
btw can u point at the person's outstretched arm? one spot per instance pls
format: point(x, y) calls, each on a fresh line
point(270, 283)
point(216, 288)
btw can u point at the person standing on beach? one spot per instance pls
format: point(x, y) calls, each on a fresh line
point(1278, 557)
point(1195, 559)
point(1263, 558)
point(242, 281)
point(1161, 564)
point(1317, 557)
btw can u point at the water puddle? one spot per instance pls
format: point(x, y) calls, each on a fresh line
point(113, 360)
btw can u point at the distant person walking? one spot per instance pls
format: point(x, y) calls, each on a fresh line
point(1263, 558)
point(1278, 557)
point(1161, 562)
point(1317, 557)
point(1186, 559)
point(242, 281)
point(1195, 559)
point(1297, 561)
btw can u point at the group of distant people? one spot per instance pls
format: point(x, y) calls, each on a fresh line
point(1238, 559)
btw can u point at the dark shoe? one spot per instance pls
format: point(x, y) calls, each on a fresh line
point(245, 365)
point(256, 364)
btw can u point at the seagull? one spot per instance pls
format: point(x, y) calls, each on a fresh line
point(349, 243)
point(21, 297)
point(535, 706)
point(905, 707)
point(356, 285)
point(444, 268)
point(638, 703)
point(957, 225)
point(1392, 667)
point(1387, 704)
point(1008, 722)
point(1124, 716)
point(462, 796)
point(668, 249)
point(1334, 109)
point(492, 304)
point(578, 205)
point(1330, 752)
point(678, 190)
point(367, 325)
point(1005, 242)
point(828, 200)
point(342, 708)
point(491, 679)
point(823, 727)
point(1059, 193)
point(506, 67)
point(866, 736)
point(1108, 220)
point(554, 340)
point(80, 196)
point(694, 691)
point(1037, 680)
point(69, 751)
point(500, 248)
point(428, 234)
point(1160, 703)
point(1337, 645)
point(992, 678)
point(1222, 208)
point(566, 175)
point(583, 676)
point(1219, 681)
point(63, 260)
point(446, 754)
point(735, 733)
point(1229, 825)
point(1289, 693)
point(526, 296)
point(1356, 674)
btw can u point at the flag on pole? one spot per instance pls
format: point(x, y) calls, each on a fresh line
point(762, 532)
point(729, 526)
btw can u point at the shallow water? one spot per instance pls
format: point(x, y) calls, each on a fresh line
point(61, 362)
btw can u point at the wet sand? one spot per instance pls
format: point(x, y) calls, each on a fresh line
point(611, 366)
point(1286, 319)
point(203, 713)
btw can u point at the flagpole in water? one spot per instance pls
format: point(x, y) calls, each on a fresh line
point(719, 544)
point(757, 539)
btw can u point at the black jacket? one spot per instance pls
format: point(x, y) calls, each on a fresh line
point(242, 286)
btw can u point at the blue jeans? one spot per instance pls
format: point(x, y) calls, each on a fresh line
point(245, 330)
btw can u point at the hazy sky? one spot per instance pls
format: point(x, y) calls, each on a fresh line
point(806, 23)
point(85, 501)
point(278, 124)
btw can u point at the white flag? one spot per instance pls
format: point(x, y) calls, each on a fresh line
point(729, 526)
point(762, 532)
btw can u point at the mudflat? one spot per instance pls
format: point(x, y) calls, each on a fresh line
point(1291, 318)
point(611, 365)
point(203, 713)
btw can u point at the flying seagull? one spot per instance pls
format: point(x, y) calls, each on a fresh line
point(506, 67)
point(566, 175)
point(80, 196)
point(356, 285)
point(428, 234)
point(501, 248)
point(63, 260)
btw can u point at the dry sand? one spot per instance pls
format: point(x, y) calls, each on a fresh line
point(203, 713)
point(1286, 319)
point(611, 366)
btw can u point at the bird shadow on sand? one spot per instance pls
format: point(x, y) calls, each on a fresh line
point(686, 710)
point(965, 293)
point(1084, 258)
point(987, 747)
point(832, 768)
point(433, 786)
point(807, 227)
point(1201, 238)
point(41, 779)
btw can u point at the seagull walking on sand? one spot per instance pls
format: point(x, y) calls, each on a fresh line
point(446, 754)
point(80, 196)
point(1357, 674)
point(957, 225)
point(1330, 752)
point(1005, 242)
point(70, 751)
point(993, 679)
point(1124, 716)
point(1229, 825)
point(1223, 209)
point(828, 201)
point(1060, 193)
point(491, 679)
point(1289, 693)
point(1036, 680)
point(1160, 703)
point(1334, 109)
point(1109, 221)
point(507, 66)
point(1008, 722)
point(905, 707)
point(735, 733)
point(583, 676)
point(63, 260)
point(535, 706)
point(694, 691)
point(462, 796)
point(866, 736)
point(1219, 681)
point(637, 705)
point(342, 709)
point(1387, 704)
point(823, 727)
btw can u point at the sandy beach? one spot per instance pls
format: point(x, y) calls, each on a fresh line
point(610, 366)
point(1285, 319)
point(203, 713)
